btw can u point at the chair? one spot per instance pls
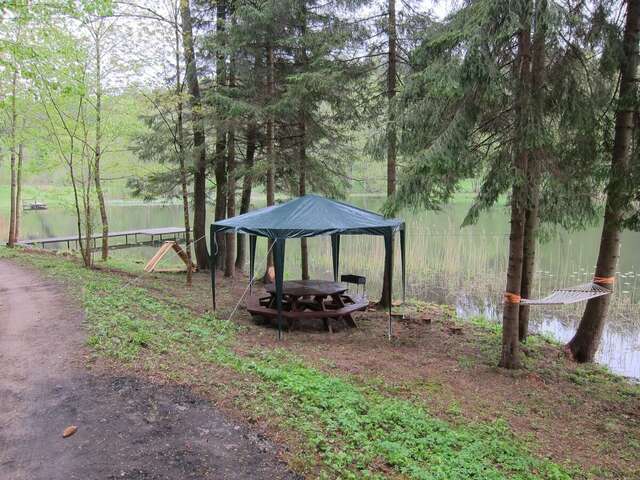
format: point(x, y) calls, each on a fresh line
point(356, 280)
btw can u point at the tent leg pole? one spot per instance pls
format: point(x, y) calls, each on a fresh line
point(388, 261)
point(213, 252)
point(278, 262)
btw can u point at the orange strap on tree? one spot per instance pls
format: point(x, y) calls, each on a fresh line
point(511, 297)
point(604, 280)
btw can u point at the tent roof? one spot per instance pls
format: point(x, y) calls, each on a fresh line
point(309, 216)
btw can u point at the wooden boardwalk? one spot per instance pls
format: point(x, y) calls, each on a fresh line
point(128, 238)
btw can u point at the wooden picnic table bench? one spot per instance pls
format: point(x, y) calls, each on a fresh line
point(308, 299)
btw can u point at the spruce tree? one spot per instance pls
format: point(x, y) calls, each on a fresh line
point(621, 190)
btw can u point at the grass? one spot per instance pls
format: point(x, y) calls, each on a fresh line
point(348, 430)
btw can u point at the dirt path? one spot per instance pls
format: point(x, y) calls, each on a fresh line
point(127, 429)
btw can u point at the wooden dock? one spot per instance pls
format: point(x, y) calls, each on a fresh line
point(127, 239)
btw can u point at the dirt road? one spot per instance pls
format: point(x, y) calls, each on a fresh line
point(127, 429)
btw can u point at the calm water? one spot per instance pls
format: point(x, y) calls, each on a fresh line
point(444, 264)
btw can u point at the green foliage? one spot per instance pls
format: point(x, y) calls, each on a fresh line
point(352, 429)
point(458, 118)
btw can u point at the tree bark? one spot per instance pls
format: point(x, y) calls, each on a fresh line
point(510, 357)
point(584, 344)
point(302, 190)
point(13, 134)
point(182, 163)
point(16, 233)
point(270, 157)
point(98, 145)
point(199, 146)
point(86, 197)
point(230, 240)
point(302, 147)
point(220, 160)
point(247, 184)
point(534, 166)
point(391, 132)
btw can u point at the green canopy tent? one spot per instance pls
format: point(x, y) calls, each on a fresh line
point(309, 216)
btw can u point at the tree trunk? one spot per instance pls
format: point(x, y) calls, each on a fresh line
point(230, 240)
point(13, 133)
point(585, 343)
point(247, 184)
point(510, 357)
point(88, 227)
point(16, 233)
point(199, 148)
point(302, 190)
point(98, 151)
point(302, 146)
point(271, 199)
point(533, 167)
point(391, 133)
point(220, 160)
point(183, 168)
point(86, 201)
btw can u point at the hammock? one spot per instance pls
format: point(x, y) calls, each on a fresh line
point(565, 296)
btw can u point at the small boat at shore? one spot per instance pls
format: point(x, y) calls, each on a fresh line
point(34, 206)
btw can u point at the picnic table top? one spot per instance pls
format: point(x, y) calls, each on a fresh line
point(300, 288)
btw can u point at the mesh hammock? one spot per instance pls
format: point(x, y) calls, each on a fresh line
point(565, 296)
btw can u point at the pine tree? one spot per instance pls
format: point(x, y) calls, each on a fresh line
point(620, 190)
point(467, 112)
point(199, 151)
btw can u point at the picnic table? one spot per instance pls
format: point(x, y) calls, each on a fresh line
point(314, 299)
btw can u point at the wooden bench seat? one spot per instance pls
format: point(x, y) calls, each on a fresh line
point(254, 307)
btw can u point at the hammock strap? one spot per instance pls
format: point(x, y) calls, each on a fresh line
point(604, 280)
point(511, 297)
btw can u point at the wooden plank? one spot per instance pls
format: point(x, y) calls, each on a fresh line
point(162, 251)
point(183, 256)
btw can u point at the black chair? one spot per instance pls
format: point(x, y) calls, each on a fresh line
point(356, 280)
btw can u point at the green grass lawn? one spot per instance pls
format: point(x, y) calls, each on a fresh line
point(348, 430)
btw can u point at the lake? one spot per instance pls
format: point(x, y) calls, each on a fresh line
point(445, 264)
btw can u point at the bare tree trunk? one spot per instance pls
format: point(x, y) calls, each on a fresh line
point(88, 227)
point(302, 181)
point(584, 344)
point(391, 132)
point(271, 198)
point(302, 149)
point(183, 168)
point(510, 357)
point(533, 166)
point(14, 120)
point(86, 199)
point(16, 233)
point(230, 240)
point(199, 147)
point(76, 199)
point(98, 151)
point(247, 184)
point(220, 160)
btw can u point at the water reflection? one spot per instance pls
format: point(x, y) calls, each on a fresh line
point(619, 348)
